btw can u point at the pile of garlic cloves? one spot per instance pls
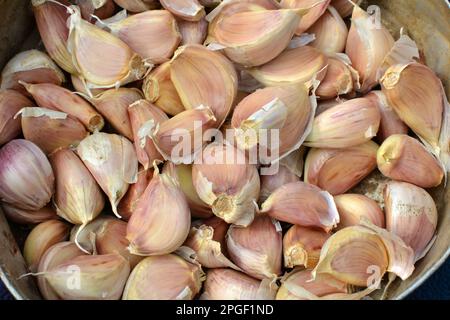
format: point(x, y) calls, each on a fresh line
point(90, 157)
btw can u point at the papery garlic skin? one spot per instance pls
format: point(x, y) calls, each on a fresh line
point(189, 10)
point(136, 5)
point(269, 183)
point(85, 235)
point(26, 177)
point(21, 216)
point(411, 214)
point(164, 277)
point(102, 9)
point(403, 158)
point(129, 202)
point(193, 32)
point(338, 80)
point(353, 208)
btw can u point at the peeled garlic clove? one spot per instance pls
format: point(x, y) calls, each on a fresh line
point(51, 96)
point(298, 65)
point(408, 88)
point(26, 177)
point(228, 284)
point(258, 248)
point(344, 7)
point(144, 117)
point(349, 124)
point(354, 208)
point(367, 45)
point(330, 32)
point(339, 170)
point(143, 30)
point(101, 58)
point(51, 130)
point(390, 121)
point(269, 183)
point(113, 105)
point(302, 204)
point(193, 32)
point(42, 237)
point(137, 5)
point(11, 102)
point(317, 10)
point(100, 277)
point(54, 256)
point(162, 220)
point(403, 158)
point(164, 277)
point(338, 80)
point(51, 21)
point(158, 88)
point(129, 202)
point(196, 87)
point(100, 8)
point(225, 181)
point(301, 246)
point(411, 214)
point(21, 216)
point(31, 66)
point(189, 10)
point(112, 161)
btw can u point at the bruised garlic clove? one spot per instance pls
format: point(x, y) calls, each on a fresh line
point(51, 96)
point(42, 237)
point(101, 277)
point(137, 5)
point(353, 208)
point(129, 202)
point(189, 10)
point(112, 161)
point(158, 88)
point(411, 214)
point(269, 183)
point(196, 87)
point(51, 130)
point(317, 9)
point(225, 180)
point(299, 65)
point(301, 246)
point(11, 102)
point(102, 9)
point(258, 248)
point(21, 216)
point(302, 204)
point(113, 105)
point(338, 80)
point(228, 284)
point(143, 117)
point(26, 176)
point(367, 45)
point(403, 158)
point(161, 222)
point(349, 124)
point(193, 32)
point(164, 277)
point(345, 7)
point(339, 170)
point(31, 66)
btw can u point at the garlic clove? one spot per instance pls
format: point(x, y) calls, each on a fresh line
point(102, 9)
point(269, 183)
point(302, 204)
point(317, 9)
point(411, 214)
point(301, 246)
point(42, 237)
point(403, 158)
point(78, 198)
point(228, 284)
point(330, 32)
point(161, 222)
point(11, 102)
point(85, 236)
point(82, 89)
point(189, 10)
point(354, 208)
point(344, 7)
point(129, 202)
point(158, 88)
point(295, 161)
point(21, 216)
point(31, 66)
point(193, 32)
point(26, 177)
point(51, 130)
point(164, 277)
point(225, 181)
point(367, 45)
point(100, 277)
point(112, 161)
point(215, 89)
point(349, 124)
point(137, 5)
point(143, 30)
point(53, 97)
point(144, 117)
point(258, 248)
point(220, 229)
point(298, 65)
point(113, 105)
point(51, 18)
point(339, 170)
point(324, 105)
point(338, 80)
